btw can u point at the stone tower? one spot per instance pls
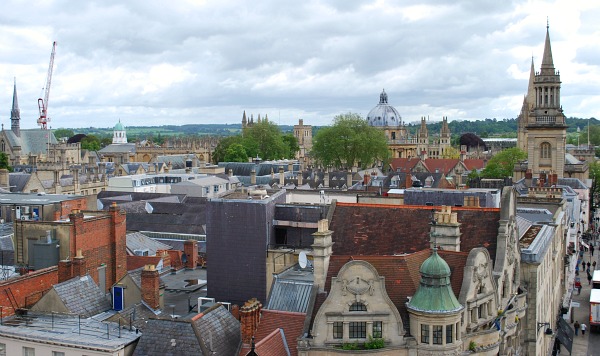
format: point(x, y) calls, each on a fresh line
point(422, 138)
point(544, 131)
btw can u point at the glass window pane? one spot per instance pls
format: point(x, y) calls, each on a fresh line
point(358, 330)
point(449, 331)
point(338, 330)
point(424, 333)
point(358, 307)
point(377, 329)
point(437, 334)
point(28, 351)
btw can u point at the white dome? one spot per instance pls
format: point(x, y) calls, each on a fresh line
point(384, 114)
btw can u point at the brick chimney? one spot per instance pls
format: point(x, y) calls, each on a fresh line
point(321, 253)
point(118, 239)
point(65, 271)
point(249, 319)
point(79, 265)
point(151, 286)
point(190, 248)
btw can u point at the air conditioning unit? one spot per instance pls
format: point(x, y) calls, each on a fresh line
point(142, 252)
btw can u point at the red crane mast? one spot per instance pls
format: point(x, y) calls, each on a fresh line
point(43, 103)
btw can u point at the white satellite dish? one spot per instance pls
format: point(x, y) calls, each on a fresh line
point(302, 260)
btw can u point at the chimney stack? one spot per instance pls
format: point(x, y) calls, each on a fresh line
point(249, 318)
point(64, 270)
point(79, 265)
point(322, 249)
point(253, 177)
point(151, 286)
point(445, 231)
point(190, 248)
point(281, 176)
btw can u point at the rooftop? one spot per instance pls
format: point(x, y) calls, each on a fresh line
point(67, 330)
point(37, 198)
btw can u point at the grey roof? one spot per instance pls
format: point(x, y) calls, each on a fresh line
point(384, 114)
point(32, 141)
point(7, 254)
point(136, 277)
point(82, 296)
point(523, 225)
point(291, 291)
point(535, 215)
point(18, 181)
point(177, 161)
point(536, 250)
point(574, 183)
point(35, 198)
point(139, 241)
point(68, 330)
point(138, 314)
point(118, 148)
point(216, 332)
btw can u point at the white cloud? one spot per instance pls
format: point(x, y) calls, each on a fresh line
point(198, 61)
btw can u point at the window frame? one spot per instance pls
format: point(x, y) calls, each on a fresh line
point(449, 333)
point(437, 337)
point(338, 330)
point(425, 334)
point(357, 307)
point(378, 329)
point(357, 330)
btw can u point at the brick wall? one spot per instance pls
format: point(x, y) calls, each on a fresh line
point(28, 288)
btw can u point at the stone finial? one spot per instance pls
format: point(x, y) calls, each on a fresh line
point(323, 225)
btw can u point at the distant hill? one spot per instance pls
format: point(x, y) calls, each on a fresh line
point(484, 128)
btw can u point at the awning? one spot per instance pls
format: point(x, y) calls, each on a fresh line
point(564, 334)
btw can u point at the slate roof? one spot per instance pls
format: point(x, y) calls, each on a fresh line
point(362, 229)
point(214, 332)
point(401, 274)
point(7, 256)
point(32, 141)
point(291, 294)
point(82, 296)
point(17, 181)
point(138, 314)
point(139, 241)
point(118, 148)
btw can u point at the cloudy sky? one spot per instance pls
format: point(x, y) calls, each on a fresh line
point(150, 63)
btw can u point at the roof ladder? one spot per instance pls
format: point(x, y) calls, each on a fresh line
point(12, 299)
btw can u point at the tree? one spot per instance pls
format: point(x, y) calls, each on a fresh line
point(291, 144)
point(90, 142)
point(4, 164)
point(62, 133)
point(503, 163)
point(451, 152)
point(268, 140)
point(349, 142)
point(594, 170)
point(218, 154)
point(236, 153)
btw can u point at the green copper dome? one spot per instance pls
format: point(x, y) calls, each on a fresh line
point(119, 126)
point(435, 292)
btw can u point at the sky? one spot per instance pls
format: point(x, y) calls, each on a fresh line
point(152, 63)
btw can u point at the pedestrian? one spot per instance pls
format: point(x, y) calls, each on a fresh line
point(576, 327)
point(579, 289)
point(589, 278)
point(577, 270)
point(583, 327)
point(592, 249)
point(594, 265)
point(588, 265)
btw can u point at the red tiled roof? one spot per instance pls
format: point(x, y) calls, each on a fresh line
point(135, 262)
point(292, 324)
point(474, 164)
point(272, 345)
point(401, 274)
point(404, 164)
point(363, 229)
point(440, 165)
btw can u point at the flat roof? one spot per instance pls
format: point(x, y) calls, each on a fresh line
point(68, 331)
point(35, 198)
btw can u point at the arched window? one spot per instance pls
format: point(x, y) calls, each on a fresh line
point(3, 144)
point(357, 306)
point(546, 150)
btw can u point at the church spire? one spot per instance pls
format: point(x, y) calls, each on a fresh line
point(531, 87)
point(547, 62)
point(15, 113)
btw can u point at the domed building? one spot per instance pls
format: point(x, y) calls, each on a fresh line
point(400, 142)
point(119, 134)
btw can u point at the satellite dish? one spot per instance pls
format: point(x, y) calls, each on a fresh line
point(302, 260)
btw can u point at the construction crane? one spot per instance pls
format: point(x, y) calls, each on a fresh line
point(43, 103)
